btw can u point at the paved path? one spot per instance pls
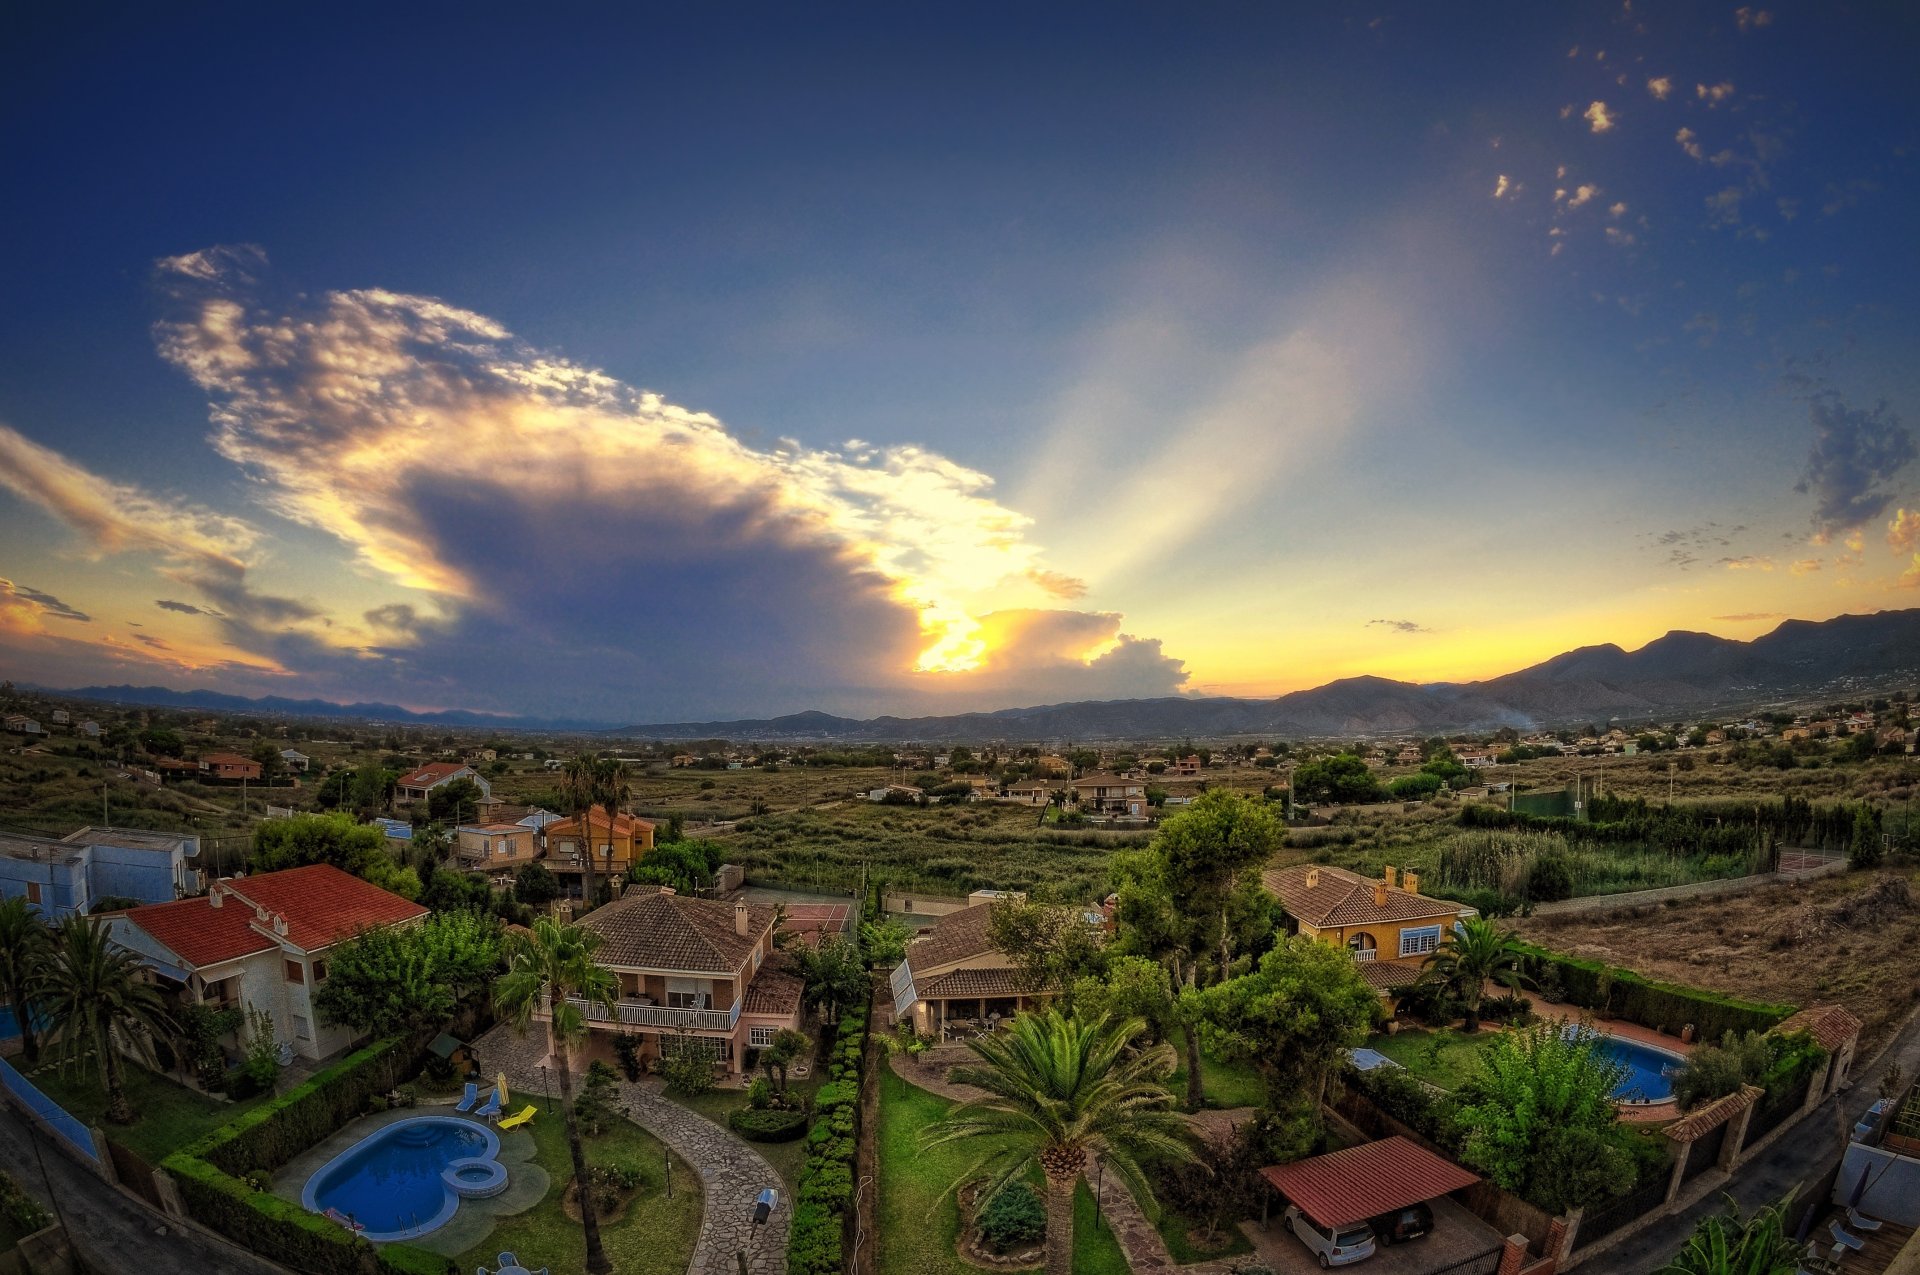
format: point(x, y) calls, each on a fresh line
point(115, 1233)
point(1796, 1157)
point(731, 1172)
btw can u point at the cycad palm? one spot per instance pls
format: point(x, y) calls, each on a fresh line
point(100, 1004)
point(1725, 1244)
point(1059, 1089)
point(548, 966)
point(25, 949)
point(1472, 955)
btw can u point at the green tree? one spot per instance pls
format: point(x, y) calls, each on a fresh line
point(535, 886)
point(1539, 1120)
point(687, 866)
point(336, 839)
point(392, 979)
point(551, 966)
point(1864, 852)
point(454, 803)
point(101, 1007)
point(1130, 987)
point(577, 797)
point(1728, 1244)
point(778, 1054)
point(1714, 1071)
point(372, 789)
point(611, 790)
point(1343, 777)
point(1049, 945)
point(26, 948)
point(1293, 1017)
point(884, 943)
point(1059, 1089)
point(1474, 953)
point(831, 976)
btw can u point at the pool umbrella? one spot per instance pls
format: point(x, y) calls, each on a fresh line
point(500, 1087)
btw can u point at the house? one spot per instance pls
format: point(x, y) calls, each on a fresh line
point(1408, 757)
point(229, 766)
point(1187, 766)
point(294, 759)
point(1056, 767)
point(953, 976)
point(261, 943)
point(679, 761)
point(70, 876)
point(1387, 924)
point(495, 847)
point(60, 716)
point(418, 785)
point(693, 974)
point(614, 849)
point(90, 728)
point(1030, 792)
point(176, 767)
point(483, 754)
point(21, 725)
point(1111, 794)
point(898, 792)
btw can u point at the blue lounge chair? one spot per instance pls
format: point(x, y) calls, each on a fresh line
point(490, 1108)
point(1860, 1221)
point(467, 1099)
point(1844, 1238)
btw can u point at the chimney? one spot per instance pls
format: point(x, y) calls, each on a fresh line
point(1412, 882)
point(1380, 894)
point(280, 924)
point(1387, 874)
point(740, 917)
point(1313, 878)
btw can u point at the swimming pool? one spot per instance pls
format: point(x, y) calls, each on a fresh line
point(1650, 1070)
point(10, 1022)
point(393, 1182)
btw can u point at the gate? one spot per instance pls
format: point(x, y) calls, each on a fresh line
point(1602, 1220)
point(1706, 1152)
point(134, 1173)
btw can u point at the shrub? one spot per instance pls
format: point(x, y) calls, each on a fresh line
point(757, 1125)
point(760, 1093)
point(816, 1243)
point(594, 1105)
point(687, 1072)
point(1014, 1216)
point(1714, 1071)
point(19, 1211)
point(1667, 1007)
point(626, 1048)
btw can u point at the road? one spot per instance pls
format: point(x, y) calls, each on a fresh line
point(1797, 1157)
point(114, 1233)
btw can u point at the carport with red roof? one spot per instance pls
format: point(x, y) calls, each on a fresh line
point(1343, 1187)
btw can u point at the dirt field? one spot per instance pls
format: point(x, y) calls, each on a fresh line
point(1746, 945)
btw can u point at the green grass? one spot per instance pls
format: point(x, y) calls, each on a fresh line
point(1173, 1228)
point(1223, 1083)
point(1446, 1058)
point(169, 1115)
point(785, 1157)
point(1095, 1250)
point(656, 1235)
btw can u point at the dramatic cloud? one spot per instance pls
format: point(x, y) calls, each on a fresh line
point(1856, 453)
point(1401, 626)
point(1752, 19)
point(1598, 118)
point(1660, 87)
point(23, 602)
point(1903, 533)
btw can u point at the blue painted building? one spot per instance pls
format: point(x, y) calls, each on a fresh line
point(72, 874)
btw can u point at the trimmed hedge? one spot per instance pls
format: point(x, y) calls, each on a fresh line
point(823, 1205)
point(1621, 993)
point(209, 1173)
point(768, 1126)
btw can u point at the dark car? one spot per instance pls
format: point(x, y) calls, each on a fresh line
point(1401, 1225)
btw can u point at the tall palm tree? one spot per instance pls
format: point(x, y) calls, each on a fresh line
point(99, 1004)
point(1059, 1089)
point(611, 790)
point(578, 790)
point(1473, 954)
point(1727, 1244)
point(25, 947)
point(548, 967)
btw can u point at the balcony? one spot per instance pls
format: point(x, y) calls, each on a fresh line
point(633, 1013)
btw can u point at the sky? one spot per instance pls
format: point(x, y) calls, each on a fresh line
point(647, 363)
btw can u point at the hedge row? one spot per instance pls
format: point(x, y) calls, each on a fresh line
point(210, 1172)
point(768, 1126)
point(823, 1205)
point(1669, 1007)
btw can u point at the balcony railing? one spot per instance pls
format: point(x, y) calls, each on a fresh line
point(631, 1013)
point(1364, 953)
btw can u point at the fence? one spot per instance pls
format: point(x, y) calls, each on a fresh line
point(1704, 1154)
point(1603, 1220)
point(1779, 1106)
point(49, 1112)
point(1479, 1264)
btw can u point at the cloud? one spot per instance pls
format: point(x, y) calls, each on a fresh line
point(1617, 209)
point(1504, 187)
point(1400, 626)
point(1689, 143)
point(1583, 194)
point(183, 608)
point(1714, 94)
point(28, 603)
point(1723, 206)
point(1747, 562)
point(147, 639)
point(1752, 19)
point(1598, 118)
point(1748, 617)
point(540, 518)
point(1805, 566)
point(1903, 533)
point(1856, 453)
point(1660, 86)
point(1620, 238)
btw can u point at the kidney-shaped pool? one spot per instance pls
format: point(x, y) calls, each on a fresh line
point(393, 1183)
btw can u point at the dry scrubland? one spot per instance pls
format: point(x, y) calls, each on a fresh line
point(1846, 938)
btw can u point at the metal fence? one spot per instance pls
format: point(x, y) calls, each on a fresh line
point(55, 1116)
point(1603, 1220)
point(1479, 1264)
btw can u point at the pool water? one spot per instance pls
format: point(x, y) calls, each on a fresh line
point(10, 1022)
point(390, 1181)
point(1650, 1071)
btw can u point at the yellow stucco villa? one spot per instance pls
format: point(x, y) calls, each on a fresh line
point(1385, 922)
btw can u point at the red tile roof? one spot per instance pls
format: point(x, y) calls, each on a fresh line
point(1343, 1187)
point(322, 905)
point(1698, 1124)
point(1340, 898)
point(433, 773)
point(1831, 1026)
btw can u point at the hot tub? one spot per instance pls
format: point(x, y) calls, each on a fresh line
point(475, 1178)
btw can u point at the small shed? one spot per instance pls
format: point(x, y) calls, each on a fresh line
point(1344, 1187)
point(455, 1051)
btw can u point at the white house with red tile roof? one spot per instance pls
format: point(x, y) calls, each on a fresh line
point(261, 942)
point(415, 785)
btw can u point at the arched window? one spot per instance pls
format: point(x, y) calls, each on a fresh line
point(1362, 946)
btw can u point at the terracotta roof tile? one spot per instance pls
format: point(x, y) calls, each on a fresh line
point(954, 937)
point(1831, 1026)
point(1346, 898)
point(321, 904)
point(1387, 976)
point(661, 931)
point(623, 826)
point(1698, 1124)
point(772, 991)
point(434, 772)
point(1343, 1187)
point(199, 933)
point(967, 984)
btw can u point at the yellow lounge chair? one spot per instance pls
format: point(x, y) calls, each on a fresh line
point(518, 1118)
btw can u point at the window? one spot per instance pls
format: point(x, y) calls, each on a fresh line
point(1419, 942)
point(319, 971)
point(760, 1037)
point(686, 993)
point(302, 1028)
point(295, 972)
point(1363, 947)
point(33, 891)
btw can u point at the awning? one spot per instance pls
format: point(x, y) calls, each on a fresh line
point(444, 1044)
point(1344, 1187)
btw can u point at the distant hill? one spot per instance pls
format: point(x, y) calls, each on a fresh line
point(1681, 674)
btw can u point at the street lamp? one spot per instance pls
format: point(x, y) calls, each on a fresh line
point(546, 1087)
point(1099, 1183)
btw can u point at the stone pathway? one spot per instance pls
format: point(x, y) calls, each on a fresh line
point(731, 1172)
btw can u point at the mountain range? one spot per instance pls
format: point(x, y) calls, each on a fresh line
point(1680, 674)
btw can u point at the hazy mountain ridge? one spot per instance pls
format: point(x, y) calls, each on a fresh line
point(1672, 675)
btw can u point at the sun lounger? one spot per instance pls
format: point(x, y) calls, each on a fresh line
point(490, 1108)
point(1861, 1222)
point(335, 1215)
point(1845, 1238)
point(519, 1117)
point(467, 1099)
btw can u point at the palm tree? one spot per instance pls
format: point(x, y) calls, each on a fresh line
point(577, 788)
point(1726, 1244)
point(610, 789)
point(1473, 954)
point(548, 967)
point(100, 1004)
point(25, 946)
point(1059, 1089)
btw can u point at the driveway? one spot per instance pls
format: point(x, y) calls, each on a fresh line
point(1458, 1236)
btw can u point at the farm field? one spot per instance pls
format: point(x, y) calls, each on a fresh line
point(1794, 944)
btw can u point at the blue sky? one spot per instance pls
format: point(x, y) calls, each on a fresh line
point(921, 359)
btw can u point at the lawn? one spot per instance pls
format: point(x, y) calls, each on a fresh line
point(656, 1235)
point(920, 1223)
point(1173, 1228)
point(1446, 1058)
point(785, 1157)
point(169, 1115)
point(1223, 1083)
